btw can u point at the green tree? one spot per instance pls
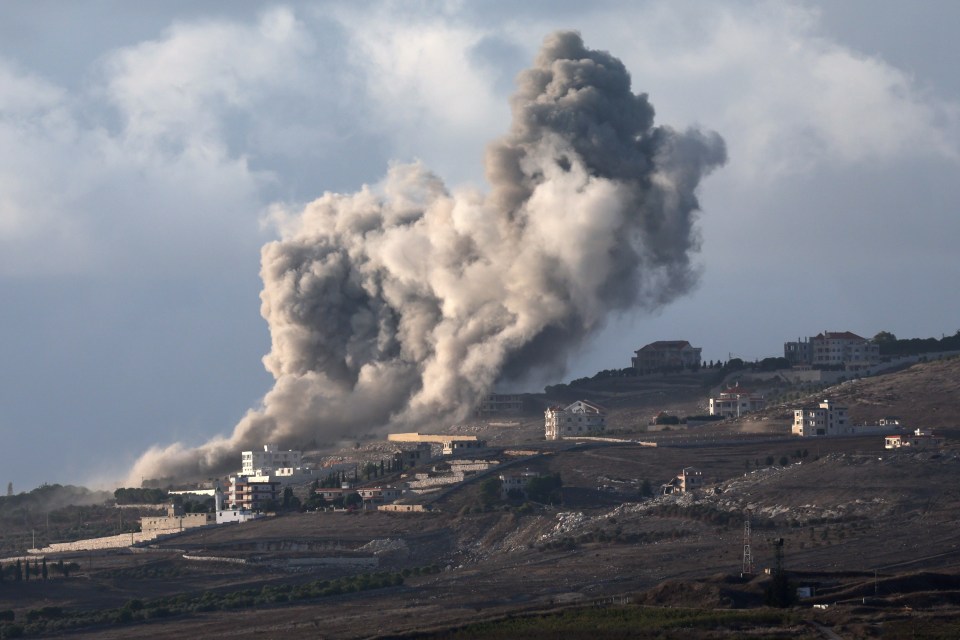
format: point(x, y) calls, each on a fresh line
point(545, 489)
point(646, 489)
point(769, 461)
point(884, 337)
point(784, 461)
point(290, 502)
point(490, 490)
point(43, 570)
point(352, 500)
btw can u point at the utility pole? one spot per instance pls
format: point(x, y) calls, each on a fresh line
point(747, 569)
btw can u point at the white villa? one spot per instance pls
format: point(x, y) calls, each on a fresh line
point(581, 418)
point(736, 401)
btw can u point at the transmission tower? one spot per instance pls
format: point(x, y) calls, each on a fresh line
point(747, 569)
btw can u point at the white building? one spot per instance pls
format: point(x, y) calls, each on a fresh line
point(834, 349)
point(919, 440)
point(270, 461)
point(457, 447)
point(823, 420)
point(224, 515)
point(581, 418)
point(735, 402)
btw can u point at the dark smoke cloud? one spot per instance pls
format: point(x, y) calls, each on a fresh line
point(402, 308)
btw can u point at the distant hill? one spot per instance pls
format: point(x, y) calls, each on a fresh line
point(925, 395)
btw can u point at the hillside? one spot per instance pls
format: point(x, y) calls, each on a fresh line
point(856, 521)
point(925, 395)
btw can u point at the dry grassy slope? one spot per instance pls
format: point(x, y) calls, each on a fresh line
point(925, 395)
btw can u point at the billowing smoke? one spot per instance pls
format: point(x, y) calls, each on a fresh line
point(401, 307)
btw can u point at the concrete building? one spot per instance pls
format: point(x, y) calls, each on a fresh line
point(581, 418)
point(175, 520)
point(253, 493)
point(666, 355)
point(689, 479)
point(460, 447)
point(822, 420)
point(735, 402)
point(375, 496)
point(920, 439)
point(270, 461)
point(515, 483)
point(834, 349)
point(500, 404)
point(224, 515)
point(413, 455)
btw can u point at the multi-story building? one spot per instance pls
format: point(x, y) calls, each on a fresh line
point(581, 418)
point(270, 461)
point(666, 355)
point(413, 455)
point(515, 483)
point(834, 349)
point(822, 420)
point(253, 493)
point(735, 402)
point(500, 404)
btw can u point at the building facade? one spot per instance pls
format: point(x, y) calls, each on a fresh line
point(515, 484)
point(253, 493)
point(413, 455)
point(920, 439)
point(500, 404)
point(270, 461)
point(175, 520)
point(834, 349)
point(581, 418)
point(825, 419)
point(735, 402)
point(666, 355)
point(689, 479)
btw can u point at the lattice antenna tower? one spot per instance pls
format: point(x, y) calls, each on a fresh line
point(747, 569)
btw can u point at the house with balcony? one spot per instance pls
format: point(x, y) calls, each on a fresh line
point(581, 418)
point(736, 401)
point(825, 419)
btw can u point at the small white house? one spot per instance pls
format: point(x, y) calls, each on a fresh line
point(735, 402)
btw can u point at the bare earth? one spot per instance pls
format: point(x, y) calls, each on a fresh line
point(875, 531)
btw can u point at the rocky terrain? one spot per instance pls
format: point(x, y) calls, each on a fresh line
point(873, 532)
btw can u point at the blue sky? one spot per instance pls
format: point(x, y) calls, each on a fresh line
point(143, 149)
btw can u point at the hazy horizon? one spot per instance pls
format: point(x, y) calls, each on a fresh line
point(145, 147)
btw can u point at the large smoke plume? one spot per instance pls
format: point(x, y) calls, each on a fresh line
point(403, 307)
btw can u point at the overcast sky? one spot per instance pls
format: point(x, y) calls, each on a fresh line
point(143, 147)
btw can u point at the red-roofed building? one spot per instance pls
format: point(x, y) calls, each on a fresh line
point(666, 355)
point(736, 401)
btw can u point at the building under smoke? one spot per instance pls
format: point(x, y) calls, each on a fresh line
point(404, 305)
